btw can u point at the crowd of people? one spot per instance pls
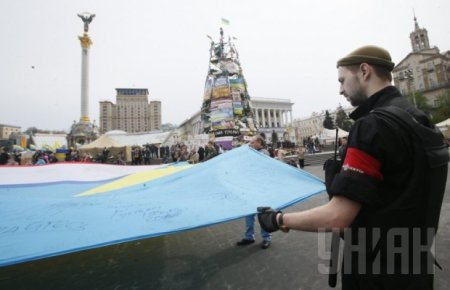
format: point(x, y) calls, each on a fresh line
point(15, 158)
point(143, 155)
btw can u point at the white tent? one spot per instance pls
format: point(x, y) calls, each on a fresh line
point(444, 127)
point(106, 141)
point(102, 142)
point(444, 124)
point(330, 134)
point(138, 139)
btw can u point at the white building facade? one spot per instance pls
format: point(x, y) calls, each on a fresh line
point(274, 115)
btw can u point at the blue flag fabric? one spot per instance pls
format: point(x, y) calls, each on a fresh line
point(44, 220)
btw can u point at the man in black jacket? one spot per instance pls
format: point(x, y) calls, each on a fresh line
point(386, 199)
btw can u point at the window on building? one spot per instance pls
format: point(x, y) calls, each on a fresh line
point(432, 83)
point(437, 103)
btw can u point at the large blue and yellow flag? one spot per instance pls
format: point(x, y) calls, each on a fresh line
point(44, 219)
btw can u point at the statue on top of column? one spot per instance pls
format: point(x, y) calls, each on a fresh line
point(87, 18)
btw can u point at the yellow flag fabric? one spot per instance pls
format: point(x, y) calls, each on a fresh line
point(135, 178)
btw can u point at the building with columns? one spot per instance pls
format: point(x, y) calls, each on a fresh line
point(273, 114)
point(270, 115)
point(425, 69)
point(133, 112)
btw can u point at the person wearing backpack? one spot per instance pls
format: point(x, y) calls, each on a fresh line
point(386, 199)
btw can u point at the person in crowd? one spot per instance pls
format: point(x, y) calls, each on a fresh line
point(193, 156)
point(52, 158)
point(136, 156)
point(146, 153)
point(3, 156)
point(280, 154)
point(174, 150)
point(386, 200)
point(206, 152)
point(201, 153)
point(121, 158)
point(342, 147)
point(11, 161)
point(74, 155)
point(105, 154)
point(271, 152)
point(183, 154)
point(258, 143)
point(221, 149)
point(86, 157)
point(301, 156)
point(212, 152)
point(40, 160)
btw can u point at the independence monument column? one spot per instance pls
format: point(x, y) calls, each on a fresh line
point(86, 43)
point(84, 131)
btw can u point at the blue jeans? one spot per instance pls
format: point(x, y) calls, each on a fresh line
point(250, 230)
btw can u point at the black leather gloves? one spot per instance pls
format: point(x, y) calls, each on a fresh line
point(267, 218)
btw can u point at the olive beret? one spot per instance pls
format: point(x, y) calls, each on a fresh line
point(370, 54)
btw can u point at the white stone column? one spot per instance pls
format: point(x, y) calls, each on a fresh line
point(278, 118)
point(263, 118)
point(257, 116)
point(270, 117)
point(275, 118)
point(85, 44)
point(85, 84)
point(281, 118)
point(290, 115)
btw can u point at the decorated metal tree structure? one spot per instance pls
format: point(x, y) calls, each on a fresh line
point(226, 112)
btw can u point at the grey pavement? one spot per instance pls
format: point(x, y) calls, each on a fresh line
point(205, 258)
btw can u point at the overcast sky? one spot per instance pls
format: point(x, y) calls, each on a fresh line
point(288, 49)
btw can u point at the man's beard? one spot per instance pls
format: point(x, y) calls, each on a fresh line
point(358, 99)
point(359, 96)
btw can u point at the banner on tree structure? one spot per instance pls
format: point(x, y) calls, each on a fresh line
point(221, 87)
point(226, 132)
point(237, 84)
point(237, 103)
point(221, 115)
point(237, 108)
point(229, 67)
point(223, 103)
point(208, 89)
point(223, 124)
